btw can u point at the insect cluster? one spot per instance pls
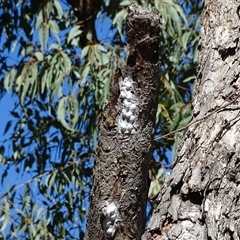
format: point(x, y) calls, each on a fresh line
point(111, 218)
point(127, 119)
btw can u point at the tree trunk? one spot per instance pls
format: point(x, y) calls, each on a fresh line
point(119, 192)
point(85, 9)
point(200, 198)
point(86, 12)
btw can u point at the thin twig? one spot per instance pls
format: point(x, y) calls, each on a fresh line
point(200, 119)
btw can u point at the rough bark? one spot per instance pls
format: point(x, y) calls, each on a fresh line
point(200, 198)
point(119, 192)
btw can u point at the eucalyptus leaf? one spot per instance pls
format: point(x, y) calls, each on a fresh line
point(85, 51)
point(6, 81)
point(58, 8)
point(61, 112)
point(39, 56)
point(74, 32)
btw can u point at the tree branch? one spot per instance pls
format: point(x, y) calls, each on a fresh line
point(120, 185)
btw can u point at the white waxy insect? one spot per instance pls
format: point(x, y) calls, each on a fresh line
point(123, 89)
point(108, 224)
point(128, 95)
point(129, 126)
point(133, 106)
point(126, 123)
point(113, 216)
point(133, 131)
point(127, 84)
point(131, 119)
point(111, 208)
point(125, 127)
point(126, 114)
point(129, 114)
point(110, 231)
point(126, 103)
point(123, 130)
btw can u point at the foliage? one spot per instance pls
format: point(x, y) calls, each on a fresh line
point(59, 91)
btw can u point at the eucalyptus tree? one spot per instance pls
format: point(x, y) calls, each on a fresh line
point(59, 71)
point(200, 198)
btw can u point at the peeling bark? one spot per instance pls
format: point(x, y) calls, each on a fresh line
point(119, 192)
point(200, 199)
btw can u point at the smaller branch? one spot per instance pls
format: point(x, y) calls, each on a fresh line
point(37, 177)
point(222, 106)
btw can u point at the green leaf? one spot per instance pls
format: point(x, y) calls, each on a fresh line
point(58, 8)
point(181, 13)
point(188, 79)
point(84, 74)
point(54, 46)
point(34, 71)
point(175, 122)
point(98, 56)
point(77, 74)
point(66, 62)
point(43, 82)
point(6, 81)
point(105, 59)
point(33, 230)
point(100, 48)
point(39, 19)
point(61, 113)
point(43, 35)
point(39, 56)
point(175, 17)
point(74, 32)
point(55, 29)
point(195, 55)
point(49, 79)
point(9, 79)
point(85, 51)
point(75, 111)
point(50, 180)
point(185, 121)
point(177, 105)
point(12, 77)
point(185, 38)
point(57, 86)
point(33, 89)
point(19, 81)
point(28, 51)
point(46, 35)
point(118, 20)
point(125, 3)
point(4, 222)
point(24, 90)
